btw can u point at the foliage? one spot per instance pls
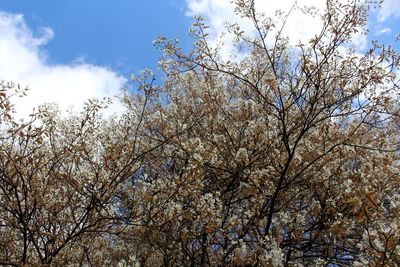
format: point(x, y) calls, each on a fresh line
point(286, 156)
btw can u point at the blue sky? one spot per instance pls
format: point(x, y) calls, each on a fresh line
point(67, 51)
point(117, 34)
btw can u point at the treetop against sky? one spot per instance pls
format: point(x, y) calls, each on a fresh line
point(69, 51)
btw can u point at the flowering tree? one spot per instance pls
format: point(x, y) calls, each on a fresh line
point(293, 158)
point(60, 178)
point(284, 156)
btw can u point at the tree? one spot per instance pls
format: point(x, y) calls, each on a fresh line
point(293, 159)
point(285, 157)
point(60, 178)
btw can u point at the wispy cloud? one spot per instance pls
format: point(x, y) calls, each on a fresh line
point(385, 30)
point(389, 8)
point(24, 60)
point(299, 26)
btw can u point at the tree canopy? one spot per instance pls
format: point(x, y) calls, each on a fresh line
point(286, 155)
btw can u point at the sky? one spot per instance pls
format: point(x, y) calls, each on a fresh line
point(72, 50)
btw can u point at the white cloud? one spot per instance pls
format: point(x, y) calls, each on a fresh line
point(382, 31)
point(23, 60)
point(389, 8)
point(298, 27)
